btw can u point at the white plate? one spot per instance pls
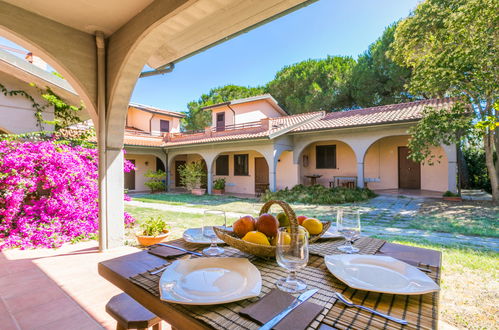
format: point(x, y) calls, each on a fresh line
point(379, 274)
point(195, 235)
point(209, 281)
point(331, 233)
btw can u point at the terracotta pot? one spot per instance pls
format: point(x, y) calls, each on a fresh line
point(151, 240)
point(217, 191)
point(198, 191)
point(453, 198)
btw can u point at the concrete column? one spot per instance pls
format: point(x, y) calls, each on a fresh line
point(111, 206)
point(360, 175)
point(452, 176)
point(272, 175)
point(209, 184)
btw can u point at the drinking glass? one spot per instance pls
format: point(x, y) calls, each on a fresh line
point(213, 218)
point(292, 254)
point(348, 224)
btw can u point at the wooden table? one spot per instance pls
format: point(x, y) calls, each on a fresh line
point(313, 178)
point(118, 270)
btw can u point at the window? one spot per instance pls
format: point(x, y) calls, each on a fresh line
point(222, 165)
point(325, 156)
point(220, 121)
point(164, 126)
point(241, 164)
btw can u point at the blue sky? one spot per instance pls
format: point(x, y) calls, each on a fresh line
point(327, 27)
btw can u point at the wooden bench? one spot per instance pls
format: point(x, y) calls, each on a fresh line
point(129, 314)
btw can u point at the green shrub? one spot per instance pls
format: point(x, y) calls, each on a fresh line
point(192, 174)
point(449, 193)
point(319, 194)
point(219, 184)
point(477, 169)
point(154, 226)
point(156, 182)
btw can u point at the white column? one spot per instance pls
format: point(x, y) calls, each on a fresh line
point(209, 184)
point(452, 176)
point(272, 175)
point(360, 175)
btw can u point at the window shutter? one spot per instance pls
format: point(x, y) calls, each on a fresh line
point(222, 165)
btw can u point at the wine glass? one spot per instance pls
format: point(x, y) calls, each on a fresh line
point(292, 254)
point(348, 224)
point(213, 218)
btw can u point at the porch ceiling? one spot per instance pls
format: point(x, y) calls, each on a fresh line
point(195, 24)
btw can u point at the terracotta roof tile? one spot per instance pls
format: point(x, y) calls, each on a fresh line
point(392, 113)
point(146, 141)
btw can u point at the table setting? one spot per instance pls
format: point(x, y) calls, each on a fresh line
point(305, 276)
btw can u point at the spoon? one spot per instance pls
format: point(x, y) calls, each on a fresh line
point(349, 303)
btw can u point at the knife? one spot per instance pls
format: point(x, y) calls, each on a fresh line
point(181, 249)
point(297, 302)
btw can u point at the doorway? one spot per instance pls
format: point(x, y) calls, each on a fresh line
point(409, 171)
point(178, 163)
point(261, 175)
point(130, 177)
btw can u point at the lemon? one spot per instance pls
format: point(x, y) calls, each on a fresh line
point(286, 239)
point(256, 237)
point(313, 226)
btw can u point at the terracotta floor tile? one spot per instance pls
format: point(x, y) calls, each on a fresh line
point(35, 297)
point(7, 323)
point(73, 322)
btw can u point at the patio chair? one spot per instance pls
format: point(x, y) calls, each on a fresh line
point(129, 314)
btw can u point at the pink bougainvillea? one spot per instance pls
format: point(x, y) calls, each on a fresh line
point(48, 194)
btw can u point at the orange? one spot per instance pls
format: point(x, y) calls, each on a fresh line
point(256, 237)
point(313, 226)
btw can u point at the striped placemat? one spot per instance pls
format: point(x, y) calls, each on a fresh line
point(366, 245)
point(227, 316)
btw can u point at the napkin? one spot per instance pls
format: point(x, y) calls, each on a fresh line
point(273, 303)
point(164, 251)
point(411, 256)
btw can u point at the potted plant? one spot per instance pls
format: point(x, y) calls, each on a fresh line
point(451, 197)
point(157, 180)
point(219, 186)
point(152, 231)
point(191, 176)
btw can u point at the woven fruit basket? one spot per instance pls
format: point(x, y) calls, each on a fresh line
point(229, 237)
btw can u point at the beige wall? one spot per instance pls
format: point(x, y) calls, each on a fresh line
point(246, 112)
point(287, 173)
point(381, 161)
point(142, 120)
point(17, 114)
point(189, 158)
point(346, 164)
point(239, 184)
point(141, 168)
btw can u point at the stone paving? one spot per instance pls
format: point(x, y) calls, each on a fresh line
point(385, 215)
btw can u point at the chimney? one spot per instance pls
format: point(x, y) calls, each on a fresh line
point(265, 123)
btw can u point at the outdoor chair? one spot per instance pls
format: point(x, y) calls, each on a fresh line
point(129, 314)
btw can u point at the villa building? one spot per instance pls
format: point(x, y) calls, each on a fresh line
point(255, 145)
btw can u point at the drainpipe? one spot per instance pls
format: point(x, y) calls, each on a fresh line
point(234, 113)
point(167, 68)
point(102, 145)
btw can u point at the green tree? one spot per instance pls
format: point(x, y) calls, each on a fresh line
point(452, 49)
point(314, 85)
point(198, 119)
point(377, 79)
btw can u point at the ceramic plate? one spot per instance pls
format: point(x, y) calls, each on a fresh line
point(379, 274)
point(331, 233)
point(209, 281)
point(195, 235)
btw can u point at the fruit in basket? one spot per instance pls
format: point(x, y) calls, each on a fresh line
point(267, 224)
point(256, 237)
point(283, 219)
point(313, 226)
point(301, 218)
point(286, 239)
point(244, 225)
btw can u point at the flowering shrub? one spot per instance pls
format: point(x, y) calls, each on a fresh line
point(48, 194)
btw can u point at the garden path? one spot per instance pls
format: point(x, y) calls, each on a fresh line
point(385, 215)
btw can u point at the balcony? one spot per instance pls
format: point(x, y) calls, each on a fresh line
point(214, 131)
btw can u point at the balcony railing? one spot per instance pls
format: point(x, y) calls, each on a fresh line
point(141, 133)
point(236, 126)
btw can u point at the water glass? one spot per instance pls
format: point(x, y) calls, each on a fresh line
point(292, 254)
point(213, 218)
point(348, 224)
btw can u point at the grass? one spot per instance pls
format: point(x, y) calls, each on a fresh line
point(467, 218)
point(469, 284)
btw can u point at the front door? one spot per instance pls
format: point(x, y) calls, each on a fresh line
point(130, 177)
point(220, 121)
point(409, 171)
point(178, 163)
point(261, 175)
